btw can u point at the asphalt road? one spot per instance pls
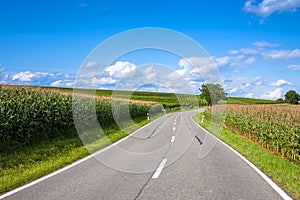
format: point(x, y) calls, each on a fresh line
point(159, 161)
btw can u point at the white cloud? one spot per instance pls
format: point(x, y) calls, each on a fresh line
point(56, 83)
point(28, 76)
point(121, 69)
point(267, 7)
point(249, 51)
point(91, 64)
point(241, 86)
point(294, 67)
point(221, 61)
point(265, 44)
point(249, 95)
point(103, 81)
point(259, 80)
point(2, 69)
point(260, 51)
point(41, 78)
point(250, 60)
point(273, 94)
point(233, 90)
point(150, 73)
point(70, 84)
point(233, 52)
point(281, 54)
point(23, 76)
point(281, 82)
point(199, 68)
point(258, 83)
point(247, 85)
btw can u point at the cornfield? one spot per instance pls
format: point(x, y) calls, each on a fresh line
point(27, 115)
point(275, 127)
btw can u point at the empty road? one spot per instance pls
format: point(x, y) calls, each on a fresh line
point(158, 161)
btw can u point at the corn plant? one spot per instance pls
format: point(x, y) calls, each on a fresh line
point(275, 127)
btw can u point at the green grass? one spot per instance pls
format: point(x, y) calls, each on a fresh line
point(27, 164)
point(285, 173)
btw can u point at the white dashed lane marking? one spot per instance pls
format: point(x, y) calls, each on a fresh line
point(160, 168)
point(173, 139)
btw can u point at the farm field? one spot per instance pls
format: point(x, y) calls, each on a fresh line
point(275, 127)
point(28, 115)
point(243, 101)
point(170, 100)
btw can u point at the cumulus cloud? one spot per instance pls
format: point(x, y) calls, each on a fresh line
point(267, 7)
point(121, 69)
point(281, 82)
point(273, 94)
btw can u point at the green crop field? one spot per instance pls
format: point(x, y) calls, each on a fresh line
point(241, 100)
point(275, 127)
point(167, 100)
point(30, 114)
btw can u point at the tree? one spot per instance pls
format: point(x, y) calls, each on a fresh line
point(280, 100)
point(212, 93)
point(292, 97)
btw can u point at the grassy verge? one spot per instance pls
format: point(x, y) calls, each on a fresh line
point(284, 172)
point(22, 166)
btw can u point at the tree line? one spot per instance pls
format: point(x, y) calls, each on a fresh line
point(213, 93)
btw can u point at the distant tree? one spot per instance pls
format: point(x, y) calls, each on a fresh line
point(280, 100)
point(212, 93)
point(292, 97)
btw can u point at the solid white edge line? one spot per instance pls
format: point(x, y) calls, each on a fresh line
point(160, 168)
point(74, 163)
point(280, 191)
point(173, 139)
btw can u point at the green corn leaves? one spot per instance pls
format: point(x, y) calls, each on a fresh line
point(28, 114)
point(276, 127)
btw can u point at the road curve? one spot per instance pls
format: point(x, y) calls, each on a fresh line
point(158, 161)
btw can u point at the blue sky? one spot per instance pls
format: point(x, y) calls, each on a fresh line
point(255, 44)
